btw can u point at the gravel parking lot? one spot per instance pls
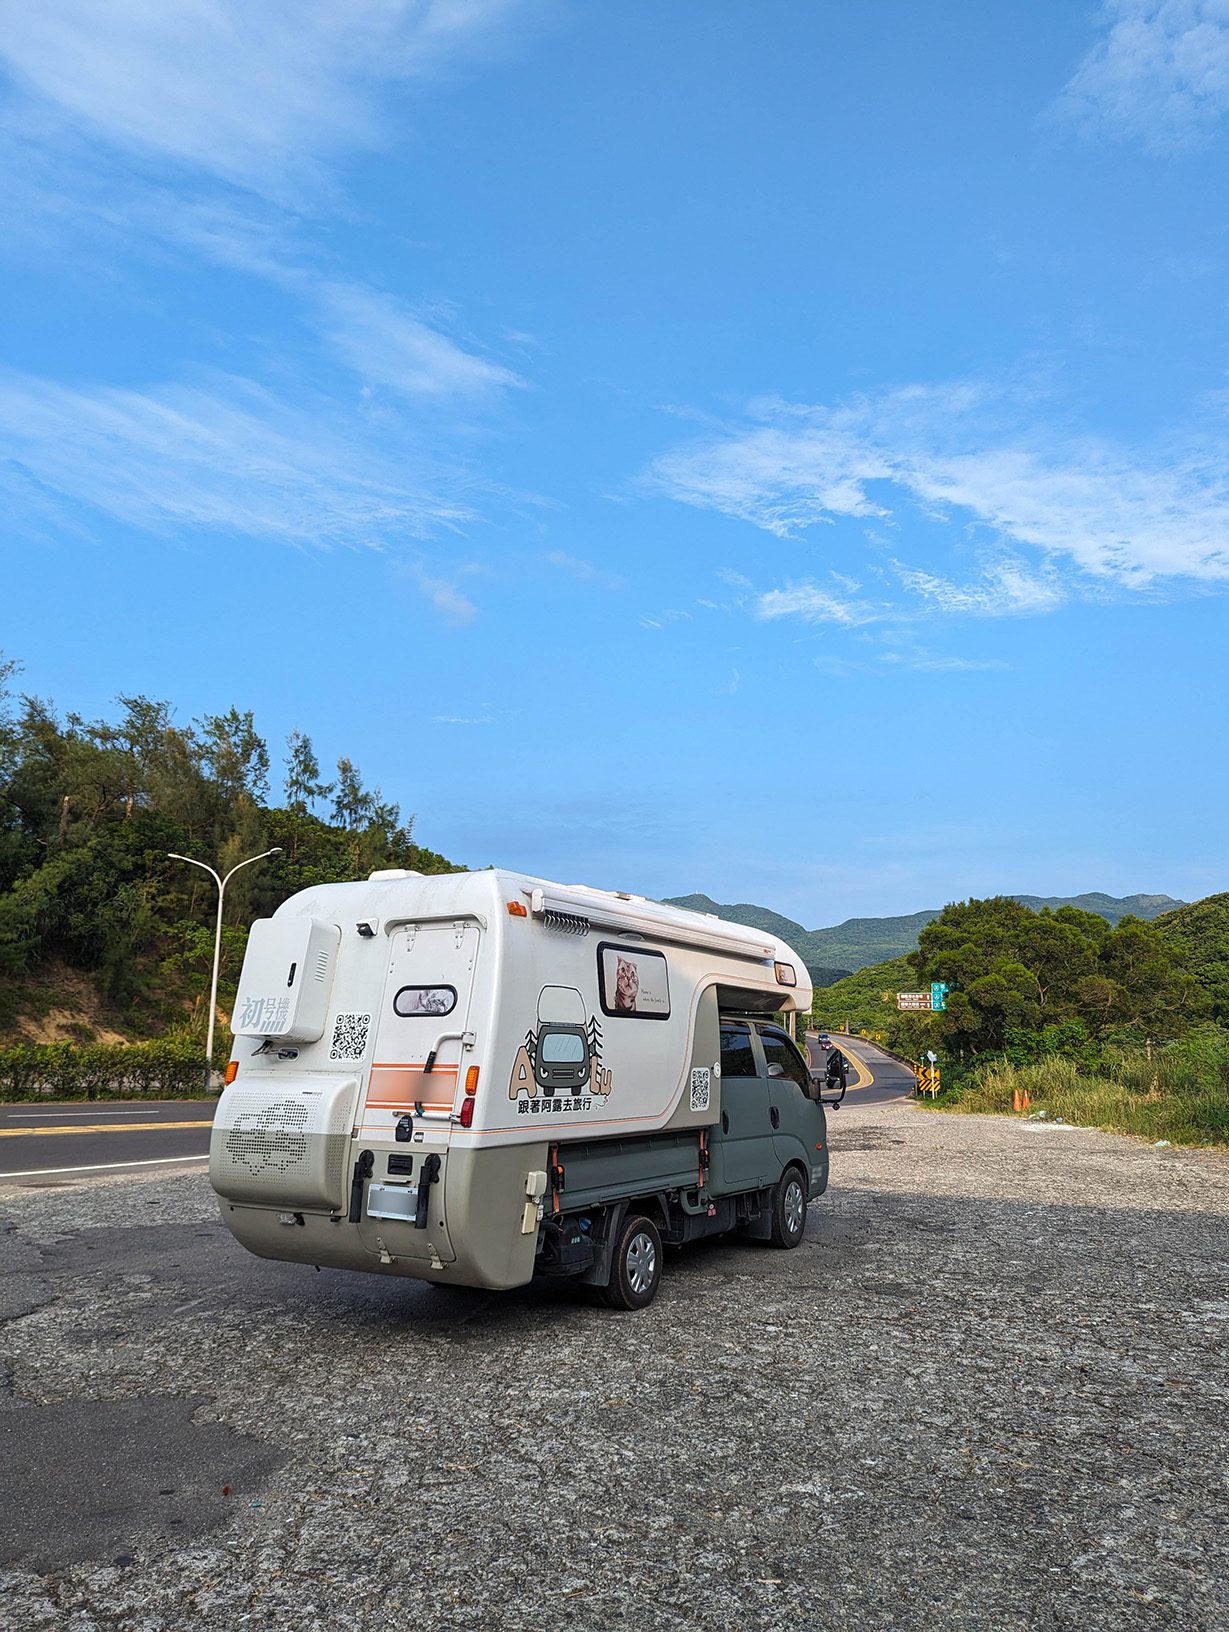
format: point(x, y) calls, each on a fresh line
point(988, 1391)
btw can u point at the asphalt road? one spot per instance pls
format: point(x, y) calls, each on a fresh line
point(879, 1077)
point(987, 1393)
point(70, 1143)
point(76, 1143)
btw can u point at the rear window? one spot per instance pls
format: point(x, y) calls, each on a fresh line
point(433, 1000)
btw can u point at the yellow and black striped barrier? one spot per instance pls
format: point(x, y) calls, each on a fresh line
point(927, 1074)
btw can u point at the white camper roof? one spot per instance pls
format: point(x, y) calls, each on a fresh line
point(392, 894)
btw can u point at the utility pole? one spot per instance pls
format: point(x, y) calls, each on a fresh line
point(217, 938)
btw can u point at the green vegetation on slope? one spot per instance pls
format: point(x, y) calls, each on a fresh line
point(865, 1000)
point(1104, 1025)
point(1178, 1092)
point(1199, 933)
point(88, 812)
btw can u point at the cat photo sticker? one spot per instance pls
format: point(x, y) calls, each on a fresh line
point(632, 982)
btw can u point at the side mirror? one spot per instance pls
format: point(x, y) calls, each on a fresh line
point(775, 1070)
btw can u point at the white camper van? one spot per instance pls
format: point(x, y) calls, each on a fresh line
point(477, 1078)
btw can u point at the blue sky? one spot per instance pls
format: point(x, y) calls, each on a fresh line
point(775, 450)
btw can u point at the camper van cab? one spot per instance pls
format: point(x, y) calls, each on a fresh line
point(477, 1078)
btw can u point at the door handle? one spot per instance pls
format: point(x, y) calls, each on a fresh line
point(774, 1116)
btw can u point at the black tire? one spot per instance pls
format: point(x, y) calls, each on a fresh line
point(635, 1272)
point(789, 1209)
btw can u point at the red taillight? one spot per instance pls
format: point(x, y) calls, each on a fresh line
point(467, 1111)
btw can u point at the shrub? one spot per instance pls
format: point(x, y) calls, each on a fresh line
point(162, 1069)
point(1178, 1091)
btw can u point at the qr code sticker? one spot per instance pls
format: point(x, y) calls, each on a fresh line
point(700, 1079)
point(350, 1036)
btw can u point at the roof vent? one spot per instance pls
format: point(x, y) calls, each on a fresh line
point(393, 872)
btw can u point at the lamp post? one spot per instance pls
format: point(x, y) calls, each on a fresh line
point(217, 938)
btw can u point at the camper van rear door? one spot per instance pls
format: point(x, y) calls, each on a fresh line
point(424, 1010)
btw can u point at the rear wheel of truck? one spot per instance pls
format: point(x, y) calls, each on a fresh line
point(789, 1209)
point(635, 1273)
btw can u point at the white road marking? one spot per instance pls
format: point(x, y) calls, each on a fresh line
point(102, 1167)
point(84, 1110)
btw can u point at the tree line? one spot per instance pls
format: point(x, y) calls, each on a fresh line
point(1024, 985)
point(89, 810)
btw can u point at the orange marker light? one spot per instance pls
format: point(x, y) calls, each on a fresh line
point(231, 1072)
point(517, 909)
point(471, 1080)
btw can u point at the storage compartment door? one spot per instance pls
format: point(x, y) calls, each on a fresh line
point(423, 1015)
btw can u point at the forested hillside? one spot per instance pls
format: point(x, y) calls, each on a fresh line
point(1031, 983)
point(1200, 934)
point(1114, 1025)
point(102, 935)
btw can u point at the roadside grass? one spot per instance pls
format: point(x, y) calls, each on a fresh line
point(1181, 1094)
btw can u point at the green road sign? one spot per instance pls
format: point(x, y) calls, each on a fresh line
point(938, 994)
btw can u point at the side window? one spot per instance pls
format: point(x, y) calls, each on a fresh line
point(780, 1052)
point(737, 1059)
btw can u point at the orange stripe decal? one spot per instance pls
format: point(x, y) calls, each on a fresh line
point(400, 1086)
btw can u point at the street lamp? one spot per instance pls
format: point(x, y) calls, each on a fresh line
point(217, 939)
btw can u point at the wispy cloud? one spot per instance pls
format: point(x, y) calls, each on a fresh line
point(227, 456)
point(1006, 589)
point(256, 95)
point(924, 661)
point(137, 129)
point(370, 331)
point(376, 336)
point(576, 567)
point(446, 598)
point(917, 659)
point(817, 605)
point(1159, 74)
point(977, 464)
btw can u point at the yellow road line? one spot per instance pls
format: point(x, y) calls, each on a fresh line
point(865, 1075)
point(97, 1127)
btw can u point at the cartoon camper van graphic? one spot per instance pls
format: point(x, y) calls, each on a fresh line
point(563, 1053)
point(561, 1058)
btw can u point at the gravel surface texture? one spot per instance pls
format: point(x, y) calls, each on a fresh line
point(988, 1391)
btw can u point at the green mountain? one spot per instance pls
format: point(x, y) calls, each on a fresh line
point(860, 942)
point(1199, 933)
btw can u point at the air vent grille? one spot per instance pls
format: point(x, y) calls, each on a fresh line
point(286, 1146)
point(567, 923)
point(270, 1141)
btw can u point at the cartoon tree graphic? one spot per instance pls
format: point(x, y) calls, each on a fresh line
point(595, 1043)
point(531, 1046)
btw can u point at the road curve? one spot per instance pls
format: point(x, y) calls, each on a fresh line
point(880, 1076)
